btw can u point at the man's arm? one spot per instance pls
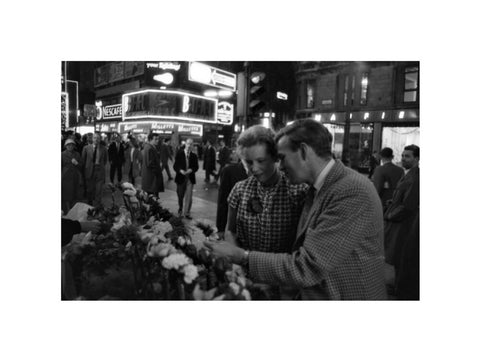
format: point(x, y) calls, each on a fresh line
point(332, 237)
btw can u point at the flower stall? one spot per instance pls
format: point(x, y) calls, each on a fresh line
point(144, 252)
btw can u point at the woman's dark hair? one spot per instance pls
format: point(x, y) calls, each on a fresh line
point(258, 134)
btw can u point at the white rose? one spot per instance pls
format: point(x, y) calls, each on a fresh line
point(190, 273)
point(246, 294)
point(127, 185)
point(234, 287)
point(130, 193)
point(175, 261)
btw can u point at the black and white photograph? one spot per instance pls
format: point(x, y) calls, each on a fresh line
point(283, 180)
point(232, 180)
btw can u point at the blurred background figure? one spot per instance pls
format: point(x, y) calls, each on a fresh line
point(209, 161)
point(165, 155)
point(94, 158)
point(152, 179)
point(386, 176)
point(71, 174)
point(223, 157)
point(116, 157)
point(133, 161)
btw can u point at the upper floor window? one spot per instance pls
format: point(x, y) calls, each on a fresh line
point(410, 93)
point(363, 92)
point(310, 93)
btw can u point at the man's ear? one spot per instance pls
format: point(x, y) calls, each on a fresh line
point(303, 151)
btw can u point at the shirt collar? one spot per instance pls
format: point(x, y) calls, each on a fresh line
point(323, 174)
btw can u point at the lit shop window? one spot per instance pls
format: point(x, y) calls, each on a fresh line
point(310, 93)
point(345, 91)
point(410, 92)
point(363, 92)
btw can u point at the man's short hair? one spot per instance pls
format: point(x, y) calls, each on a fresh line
point(414, 148)
point(387, 153)
point(258, 134)
point(310, 132)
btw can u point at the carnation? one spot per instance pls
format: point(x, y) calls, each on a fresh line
point(175, 261)
point(127, 185)
point(190, 273)
point(162, 227)
point(130, 192)
point(234, 287)
point(159, 249)
point(246, 294)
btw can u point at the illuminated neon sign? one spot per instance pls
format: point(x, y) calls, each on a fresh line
point(206, 74)
point(161, 127)
point(168, 104)
point(109, 111)
point(164, 65)
point(225, 113)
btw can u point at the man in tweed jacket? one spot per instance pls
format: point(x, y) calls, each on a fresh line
point(338, 251)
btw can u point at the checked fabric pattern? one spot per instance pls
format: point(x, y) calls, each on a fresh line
point(273, 228)
point(339, 254)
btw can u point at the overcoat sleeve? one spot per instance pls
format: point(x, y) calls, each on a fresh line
point(330, 238)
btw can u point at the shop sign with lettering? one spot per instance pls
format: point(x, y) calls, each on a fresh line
point(169, 104)
point(164, 65)
point(106, 127)
point(161, 127)
point(225, 113)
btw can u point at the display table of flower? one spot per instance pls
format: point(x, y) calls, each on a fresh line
point(145, 252)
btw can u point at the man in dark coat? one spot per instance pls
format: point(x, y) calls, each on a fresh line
point(386, 177)
point(94, 159)
point(165, 155)
point(223, 157)
point(209, 161)
point(401, 214)
point(152, 179)
point(230, 175)
point(116, 157)
point(186, 164)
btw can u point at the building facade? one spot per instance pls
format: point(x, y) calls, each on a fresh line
point(176, 99)
point(365, 105)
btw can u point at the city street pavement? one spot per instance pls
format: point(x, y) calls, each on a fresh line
point(204, 205)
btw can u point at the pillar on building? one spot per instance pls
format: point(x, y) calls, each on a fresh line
point(377, 137)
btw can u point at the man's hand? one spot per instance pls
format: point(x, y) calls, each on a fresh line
point(226, 249)
point(90, 226)
point(74, 161)
point(230, 238)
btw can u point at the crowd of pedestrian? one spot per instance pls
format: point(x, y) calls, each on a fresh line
point(295, 217)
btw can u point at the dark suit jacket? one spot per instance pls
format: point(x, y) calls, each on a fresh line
point(209, 159)
point(87, 158)
point(400, 215)
point(224, 156)
point(152, 178)
point(137, 162)
point(181, 163)
point(338, 253)
point(385, 179)
point(230, 175)
point(116, 154)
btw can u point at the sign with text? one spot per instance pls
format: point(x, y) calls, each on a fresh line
point(106, 127)
point(168, 104)
point(206, 74)
point(161, 128)
point(225, 113)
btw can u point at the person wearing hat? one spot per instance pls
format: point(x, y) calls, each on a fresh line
point(71, 173)
point(386, 177)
